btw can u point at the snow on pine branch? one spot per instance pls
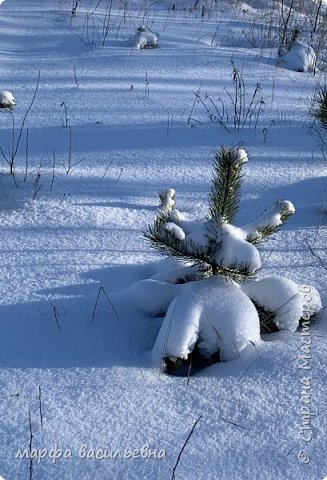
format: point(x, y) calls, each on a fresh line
point(213, 242)
point(269, 221)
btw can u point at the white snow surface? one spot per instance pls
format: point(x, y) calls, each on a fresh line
point(152, 296)
point(86, 348)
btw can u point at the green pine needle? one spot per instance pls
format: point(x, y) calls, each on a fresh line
point(226, 186)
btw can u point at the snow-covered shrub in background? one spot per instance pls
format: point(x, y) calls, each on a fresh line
point(6, 99)
point(318, 108)
point(210, 311)
point(300, 58)
point(145, 39)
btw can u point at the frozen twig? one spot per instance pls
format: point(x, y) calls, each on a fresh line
point(101, 289)
point(30, 446)
point(183, 447)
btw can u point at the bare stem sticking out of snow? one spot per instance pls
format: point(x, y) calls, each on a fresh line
point(30, 446)
point(102, 290)
point(10, 157)
point(173, 477)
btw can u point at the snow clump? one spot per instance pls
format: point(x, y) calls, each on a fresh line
point(300, 58)
point(211, 315)
point(287, 301)
point(6, 99)
point(144, 39)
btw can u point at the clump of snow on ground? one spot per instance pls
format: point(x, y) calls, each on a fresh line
point(285, 299)
point(6, 99)
point(145, 39)
point(301, 57)
point(212, 314)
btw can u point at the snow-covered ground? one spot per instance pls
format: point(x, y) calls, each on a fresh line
point(111, 126)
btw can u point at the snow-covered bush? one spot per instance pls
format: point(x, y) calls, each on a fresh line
point(145, 39)
point(300, 58)
point(6, 99)
point(210, 311)
point(242, 109)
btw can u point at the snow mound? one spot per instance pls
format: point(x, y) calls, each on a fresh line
point(285, 299)
point(212, 315)
point(300, 58)
point(144, 39)
point(151, 296)
point(311, 300)
point(6, 99)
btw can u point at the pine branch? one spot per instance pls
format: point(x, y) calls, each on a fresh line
point(165, 242)
point(226, 186)
point(200, 241)
point(236, 272)
point(188, 250)
point(269, 222)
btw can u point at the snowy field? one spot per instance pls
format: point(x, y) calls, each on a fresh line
point(110, 126)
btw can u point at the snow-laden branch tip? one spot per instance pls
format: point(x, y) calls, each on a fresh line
point(269, 221)
point(167, 199)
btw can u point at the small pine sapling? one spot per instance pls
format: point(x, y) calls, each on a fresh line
point(208, 319)
point(214, 243)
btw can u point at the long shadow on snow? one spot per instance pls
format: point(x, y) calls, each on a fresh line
point(93, 139)
point(308, 197)
point(75, 327)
